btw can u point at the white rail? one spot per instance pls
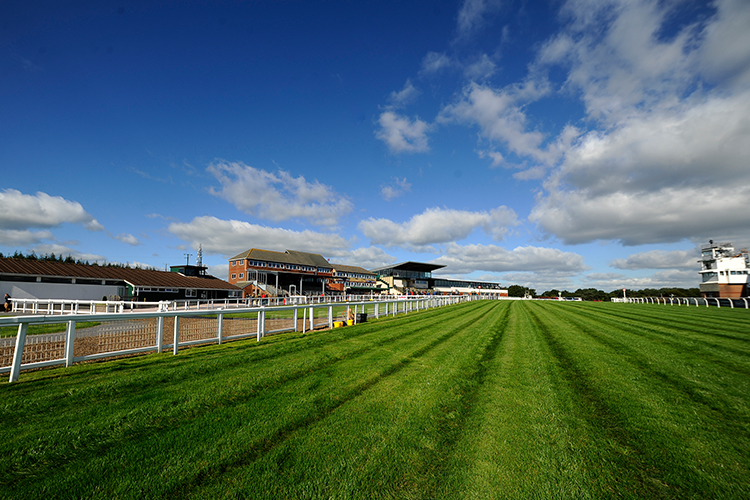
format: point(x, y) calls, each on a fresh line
point(732, 303)
point(260, 317)
point(65, 307)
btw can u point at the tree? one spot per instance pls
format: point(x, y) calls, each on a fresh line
point(520, 291)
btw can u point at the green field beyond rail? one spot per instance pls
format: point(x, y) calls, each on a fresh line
point(488, 399)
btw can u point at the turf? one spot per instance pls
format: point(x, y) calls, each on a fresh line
point(480, 400)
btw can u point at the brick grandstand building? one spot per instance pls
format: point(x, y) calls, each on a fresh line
point(265, 272)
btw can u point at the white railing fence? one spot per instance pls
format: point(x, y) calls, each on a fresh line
point(64, 306)
point(96, 335)
point(733, 303)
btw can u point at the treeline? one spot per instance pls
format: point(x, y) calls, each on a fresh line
point(594, 294)
point(67, 260)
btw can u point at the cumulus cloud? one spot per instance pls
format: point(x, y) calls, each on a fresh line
point(660, 279)
point(23, 237)
point(401, 134)
point(464, 259)
point(667, 157)
point(668, 215)
point(367, 257)
point(499, 116)
point(495, 156)
point(230, 237)
point(480, 69)
point(128, 239)
point(63, 250)
point(403, 97)
point(278, 196)
point(472, 16)
point(724, 56)
point(20, 211)
point(397, 188)
point(434, 62)
point(438, 226)
point(659, 259)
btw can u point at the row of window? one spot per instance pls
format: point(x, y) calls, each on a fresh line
point(340, 274)
point(710, 276)
point(278, 265)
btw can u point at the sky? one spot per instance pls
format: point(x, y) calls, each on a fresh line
point(555, 145)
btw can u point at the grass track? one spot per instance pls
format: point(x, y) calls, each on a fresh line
point(481, 400)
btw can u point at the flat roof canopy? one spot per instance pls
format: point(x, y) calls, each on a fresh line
point(420, 267)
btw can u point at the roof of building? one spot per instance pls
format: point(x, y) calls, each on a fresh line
point(421, 267)
point(136, 277)
point(351, 269)
point(288, 257)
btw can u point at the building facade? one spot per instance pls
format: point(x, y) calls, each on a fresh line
point(724, 271)
point(265, 272)
point(33, 279)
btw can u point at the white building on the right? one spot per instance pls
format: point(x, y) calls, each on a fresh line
point(724, 271)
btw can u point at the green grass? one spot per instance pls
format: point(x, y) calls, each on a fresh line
point(481, 400)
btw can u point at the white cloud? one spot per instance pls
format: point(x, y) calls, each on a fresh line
point(667, 157)
point(471, 16)
point(496, 156)
point(434, 62)
point(464, 259)
point(279, 196)
point(401, 134)
point(127, 238)
point(403, 97)
point(667, 215)
point(499, 117)
point(480, 69)
point(366, 257)
point(437, 226)
point(23, 237)
point(724, 56)
point(397, 188)
point(660, 259)
point(230, 237)
point(660, 279)
point(62, 250)
point(20, 211)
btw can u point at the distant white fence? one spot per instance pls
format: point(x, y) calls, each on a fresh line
point(63, 306)
point(97, 335)
point(735, 303)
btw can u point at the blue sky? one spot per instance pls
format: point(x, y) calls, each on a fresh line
point(562, 144)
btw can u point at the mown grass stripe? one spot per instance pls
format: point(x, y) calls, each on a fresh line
point(431, 384)
point(674, 364)
point(663, 334)
point(642, 473)
point(726, 324)
point(654, 420)
point(254, 453)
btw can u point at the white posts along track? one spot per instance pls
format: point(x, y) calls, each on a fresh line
point(117, 334)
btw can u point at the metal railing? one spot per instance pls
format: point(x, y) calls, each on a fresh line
point(93, 336)
point(65, 306)
point(732, 303)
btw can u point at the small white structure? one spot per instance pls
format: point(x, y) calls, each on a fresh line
point(724, 270)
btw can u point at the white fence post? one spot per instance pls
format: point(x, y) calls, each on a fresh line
point(159, 333)
point(70, 337)
point(15, 368)
point(176, 334)
point(219, 328)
